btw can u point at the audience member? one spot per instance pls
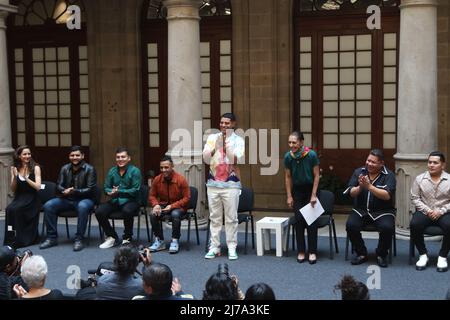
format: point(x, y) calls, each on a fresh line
point(222, 286)
point(122, 284)
point(169, 197)
point(430, 194)
point(352, 289)
point(22, 214)
point(34, 273)
point(301, 181)
point(222, 152)
point(10, 272)
point(76, 185)
point(373, 188)
point(259, 291)
point(122, 185)
point(159, 284)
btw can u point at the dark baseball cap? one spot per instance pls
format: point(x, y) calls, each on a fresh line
point(7, 256)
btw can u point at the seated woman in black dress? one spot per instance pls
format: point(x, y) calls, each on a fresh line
point(34, 272)
point(22, 214)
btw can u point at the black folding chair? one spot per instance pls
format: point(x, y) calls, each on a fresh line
point(326, 198)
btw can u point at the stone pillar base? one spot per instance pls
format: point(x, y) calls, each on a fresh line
point(407, 168)
point(6, 161)
point(190, 165)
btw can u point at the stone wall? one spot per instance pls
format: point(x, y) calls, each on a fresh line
point(443, 29)
point(262, 83)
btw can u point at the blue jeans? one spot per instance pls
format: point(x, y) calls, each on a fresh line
point(56, 205)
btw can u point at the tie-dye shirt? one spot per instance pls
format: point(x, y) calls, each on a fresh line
point(223, 173)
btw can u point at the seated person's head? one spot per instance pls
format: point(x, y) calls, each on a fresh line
point(221, 286)
point(260, 291)
point(34, 272)
point(352, 289)
point(436, 163)
point(166, 166)
point(157, 279)
point(8, 260)
point(126, 260)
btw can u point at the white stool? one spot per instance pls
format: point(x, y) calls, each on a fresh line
point(267, 223)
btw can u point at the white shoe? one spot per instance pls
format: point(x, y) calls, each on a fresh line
point(232, 254)
point(108, 243)
point(421, 264)
point(442, 264)
point(212, 253)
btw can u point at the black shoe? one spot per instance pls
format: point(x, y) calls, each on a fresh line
point(48, 243)
point(312, 261)
point(78, 245)
point(382, 262)
point(301, 260)
point(358, 260)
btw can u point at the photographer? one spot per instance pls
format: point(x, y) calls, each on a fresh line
point(222, 286)
point(10, 263)
point(159, 284)
point(122, 284)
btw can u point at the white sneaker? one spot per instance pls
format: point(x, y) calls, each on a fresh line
point(421, 264)
point(212, 253)
point(126, 241)
point(442, 264)
point(108, 243)
point(232, 254)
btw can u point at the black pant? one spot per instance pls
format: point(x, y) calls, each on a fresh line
point(175, 216)
point(385, 225)
point(418, 224)
point(302, 198)
point(129, 210)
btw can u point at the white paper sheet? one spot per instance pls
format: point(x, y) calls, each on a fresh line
point(311, 214)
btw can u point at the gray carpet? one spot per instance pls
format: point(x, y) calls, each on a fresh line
point(290, 280)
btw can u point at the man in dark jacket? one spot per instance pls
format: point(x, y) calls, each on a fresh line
point(76, 191)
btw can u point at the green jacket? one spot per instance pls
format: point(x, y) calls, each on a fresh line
point(129, 184)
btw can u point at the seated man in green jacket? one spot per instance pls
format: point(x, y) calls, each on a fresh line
point(122, 185)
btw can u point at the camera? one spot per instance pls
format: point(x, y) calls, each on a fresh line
point(23, 254)
point(223, 269)
point(142, 253)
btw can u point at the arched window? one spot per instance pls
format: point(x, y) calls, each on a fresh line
point(215, 64)
point(345, 87)
point(49, 80)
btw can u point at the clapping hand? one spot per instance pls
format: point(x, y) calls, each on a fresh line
point(176, 286)
point(19, 290)
point(364, 181)
point(114, 192)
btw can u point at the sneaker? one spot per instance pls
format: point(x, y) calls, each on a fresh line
point(421, 264)
point(212, 253)
point(126, 241)
point(174, 246)
point(232, 254)
point(108, 243)
point(158, 245)
point(442, 264)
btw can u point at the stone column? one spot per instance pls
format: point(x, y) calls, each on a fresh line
point(184, 93)
point(6, 149)
point(417, 99)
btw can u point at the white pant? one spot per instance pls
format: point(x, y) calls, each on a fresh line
point(223, 201)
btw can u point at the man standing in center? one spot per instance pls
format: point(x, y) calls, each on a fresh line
point(222, 152)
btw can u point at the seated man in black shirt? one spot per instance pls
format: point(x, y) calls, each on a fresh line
point(373, 189)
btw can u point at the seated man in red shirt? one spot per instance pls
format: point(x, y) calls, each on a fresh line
point(170, 197)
